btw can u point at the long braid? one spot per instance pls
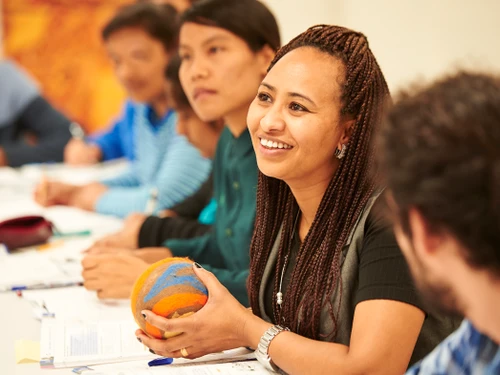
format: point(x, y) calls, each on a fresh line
point(316, 274)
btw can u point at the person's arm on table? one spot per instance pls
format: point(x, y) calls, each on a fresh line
point(124, 196)
point(3, 159)
point(181, 174)
point(382, 340)
point(113, 274)
point(154, 231)
point(175, 178)
point(385, 327)
point(51, 193)
point(109, 143)
point(78, 152)
point(140, 230)
point(103, 146)
point(51, 129)
point(127, 237)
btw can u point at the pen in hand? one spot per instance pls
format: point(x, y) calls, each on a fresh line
point(76, 131)
point(152, 202)
point(44, 189)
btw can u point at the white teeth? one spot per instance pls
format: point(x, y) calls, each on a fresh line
point(271, 144)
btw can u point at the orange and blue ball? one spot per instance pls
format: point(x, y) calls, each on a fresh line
point(169, 288)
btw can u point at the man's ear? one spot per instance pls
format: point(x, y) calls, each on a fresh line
point(426, 241)
point(265, 56)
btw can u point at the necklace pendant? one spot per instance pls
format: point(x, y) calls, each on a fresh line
point(279, 298)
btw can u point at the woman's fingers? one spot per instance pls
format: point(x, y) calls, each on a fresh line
point(169, 325)
point(169, 348)
point(214, 286)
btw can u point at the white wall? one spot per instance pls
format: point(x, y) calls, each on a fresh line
point(411, 39)
point(296, 16)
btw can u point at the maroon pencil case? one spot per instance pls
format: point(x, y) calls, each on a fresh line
point(25, 231)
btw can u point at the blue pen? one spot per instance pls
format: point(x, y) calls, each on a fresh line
point(15, 288)
point(160, 362)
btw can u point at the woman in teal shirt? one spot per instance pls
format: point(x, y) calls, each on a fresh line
point(223, 42)
point(225, 47)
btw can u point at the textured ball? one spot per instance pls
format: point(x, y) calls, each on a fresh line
point(169, 288)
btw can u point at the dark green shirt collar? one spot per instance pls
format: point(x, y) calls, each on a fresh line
point(241, 145)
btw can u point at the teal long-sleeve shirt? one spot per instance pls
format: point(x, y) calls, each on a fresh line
point(225, 249)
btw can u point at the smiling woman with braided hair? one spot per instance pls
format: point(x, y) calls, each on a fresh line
point(324, 264)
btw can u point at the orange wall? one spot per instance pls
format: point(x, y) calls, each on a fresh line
point(58, 42)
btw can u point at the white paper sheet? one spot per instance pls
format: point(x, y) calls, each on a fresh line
point(33, 268)
point(69, 219)
point(71, 343)
point(235, 361)
point(246, 367)
point(77, 175)
point(80, 304)
point(60, 264)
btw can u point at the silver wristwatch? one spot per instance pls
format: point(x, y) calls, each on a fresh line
point(262, 352)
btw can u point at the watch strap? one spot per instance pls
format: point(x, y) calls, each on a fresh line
point(262, 351)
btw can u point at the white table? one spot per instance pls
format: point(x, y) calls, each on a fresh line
point(17, 321)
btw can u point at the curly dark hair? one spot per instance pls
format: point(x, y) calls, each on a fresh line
point(441, 155)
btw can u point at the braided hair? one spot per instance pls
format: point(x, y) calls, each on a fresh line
point(316, 274)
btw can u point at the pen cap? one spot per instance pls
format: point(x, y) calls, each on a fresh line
point(76, 130)
point(160, 362)
point(169, 288)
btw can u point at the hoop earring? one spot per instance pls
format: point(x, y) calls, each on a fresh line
point(341, 153)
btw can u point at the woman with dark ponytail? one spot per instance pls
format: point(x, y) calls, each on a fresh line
point(324, 263)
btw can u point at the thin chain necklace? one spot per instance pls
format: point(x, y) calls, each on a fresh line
point(279, 295)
